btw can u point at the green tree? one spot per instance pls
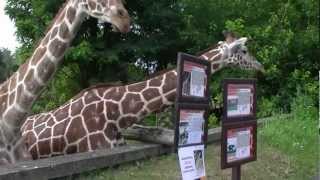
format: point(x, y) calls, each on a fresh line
point(7, 64)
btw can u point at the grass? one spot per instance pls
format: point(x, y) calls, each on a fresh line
point(287, 149)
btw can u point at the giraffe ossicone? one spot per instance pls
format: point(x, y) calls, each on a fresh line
point(93, 119)
point(18, 93)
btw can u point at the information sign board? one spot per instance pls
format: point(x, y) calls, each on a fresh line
point(191, 125)
point(238, 143)
point(239, 99)
point(193, 74)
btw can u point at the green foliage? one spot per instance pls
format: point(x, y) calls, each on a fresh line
point(213, 121)
point(7, 64)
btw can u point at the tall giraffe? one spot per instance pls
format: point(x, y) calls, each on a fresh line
point(94, 118)
point(19, 92)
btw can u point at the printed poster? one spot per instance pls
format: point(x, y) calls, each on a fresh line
point(191, 127)
point(239, 143)
point(194, 80)
point(191, 160)
point(239, 100)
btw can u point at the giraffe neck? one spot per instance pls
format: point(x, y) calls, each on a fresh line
point(19, 92)
point(27, 83)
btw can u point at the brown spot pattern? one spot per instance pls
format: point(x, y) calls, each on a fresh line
point(151, 93)
point(170, 82)
point(111, 131)
point(98, 141)
point(58, 144)
point(132, 103)
point(112, 111)
point(46, 69)
point(171, 97)
point(76, 107)
point(44, 147)
point(45, 134)
point(91, 97)
point(155, 105)
point(59, 128)
point(64, 31)
point(83, 145)
point(50, 122)
point(38, 55)
point(22, 71)
point(95, 123)
point(137, 87)
point(13, 82)
point(76, 130)
point(11, 98)
point(156, 81)
point(54, 33)
point(71, 14)
point(23, 99)
point(62, 114)
point(34, 152)
point(38, 129)
point(89, 111)
point(57, 48)
point(92, 5)
point(215, 66)
point(115, 93)
point(31, 84)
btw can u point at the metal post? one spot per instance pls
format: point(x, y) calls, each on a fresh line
point(236, 173)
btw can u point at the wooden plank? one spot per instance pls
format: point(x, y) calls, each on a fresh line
point(61, 166)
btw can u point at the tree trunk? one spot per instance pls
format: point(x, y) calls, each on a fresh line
point(149, 134)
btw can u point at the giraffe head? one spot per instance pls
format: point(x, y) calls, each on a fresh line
point(111, 11)
point(233, 52)
point(237, 55)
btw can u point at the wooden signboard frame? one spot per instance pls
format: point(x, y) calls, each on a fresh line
point(224, 142)
point(191, 107)
point(185, 60)
point(244, 83)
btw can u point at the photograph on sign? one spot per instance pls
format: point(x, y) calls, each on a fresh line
point(240, 99)
point(191, 160)
point(239, 143)
point(191, 127)
point(194, 79)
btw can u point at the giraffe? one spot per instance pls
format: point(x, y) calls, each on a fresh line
point(93, 118)
point(18, 93)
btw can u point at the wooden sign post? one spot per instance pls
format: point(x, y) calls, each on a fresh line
point(239, 125)
point(191, 115)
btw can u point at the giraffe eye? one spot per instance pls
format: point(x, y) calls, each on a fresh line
point(121, 13)
point(244, 51)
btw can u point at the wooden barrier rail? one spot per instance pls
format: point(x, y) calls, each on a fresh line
point(67, 165)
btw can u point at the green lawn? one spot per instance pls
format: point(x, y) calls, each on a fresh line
point(287, 149)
